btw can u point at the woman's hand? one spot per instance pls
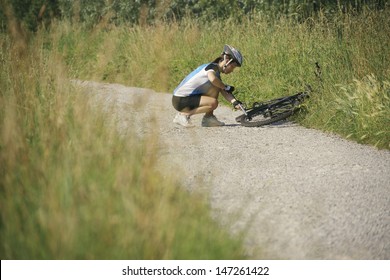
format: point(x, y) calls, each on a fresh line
point(236, 104)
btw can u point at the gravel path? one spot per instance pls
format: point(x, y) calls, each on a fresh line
point(297, 193)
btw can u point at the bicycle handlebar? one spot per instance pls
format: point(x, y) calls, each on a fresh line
point(243, 109)
point(240, 105)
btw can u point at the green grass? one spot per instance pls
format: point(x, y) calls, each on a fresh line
point(71, 187)
point(279, 60)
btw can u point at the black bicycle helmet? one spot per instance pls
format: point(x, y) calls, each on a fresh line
point(234, 54)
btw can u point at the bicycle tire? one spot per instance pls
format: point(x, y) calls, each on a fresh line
point(272, 111)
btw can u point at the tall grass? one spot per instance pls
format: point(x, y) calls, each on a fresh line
point(362, 110)
point(71, 187)
point(279, 59)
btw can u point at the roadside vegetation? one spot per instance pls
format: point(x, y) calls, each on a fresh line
point(351, 98)
point(72, 188)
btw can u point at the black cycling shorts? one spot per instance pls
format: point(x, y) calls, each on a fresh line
point(186, 103)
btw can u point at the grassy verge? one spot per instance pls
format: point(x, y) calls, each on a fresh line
point(72, 188)
point(352, 99)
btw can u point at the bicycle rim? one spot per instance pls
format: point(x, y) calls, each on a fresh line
point(265, 116)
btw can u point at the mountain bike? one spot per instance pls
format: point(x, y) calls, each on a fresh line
point(271, 111)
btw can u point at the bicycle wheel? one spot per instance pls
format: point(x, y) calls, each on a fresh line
point(268, 114)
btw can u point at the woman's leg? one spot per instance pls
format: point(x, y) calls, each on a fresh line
point(208, 103)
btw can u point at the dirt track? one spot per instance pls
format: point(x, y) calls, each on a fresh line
point(297, 193)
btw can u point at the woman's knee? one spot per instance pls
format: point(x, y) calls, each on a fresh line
point(210, 102)
point(214, 104)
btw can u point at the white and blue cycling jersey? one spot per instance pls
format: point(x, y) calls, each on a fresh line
point(197, 82)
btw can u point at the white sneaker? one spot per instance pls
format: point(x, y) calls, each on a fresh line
point(211, 121)
point(183, 120)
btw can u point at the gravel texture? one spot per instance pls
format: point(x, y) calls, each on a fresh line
point(295, 193)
